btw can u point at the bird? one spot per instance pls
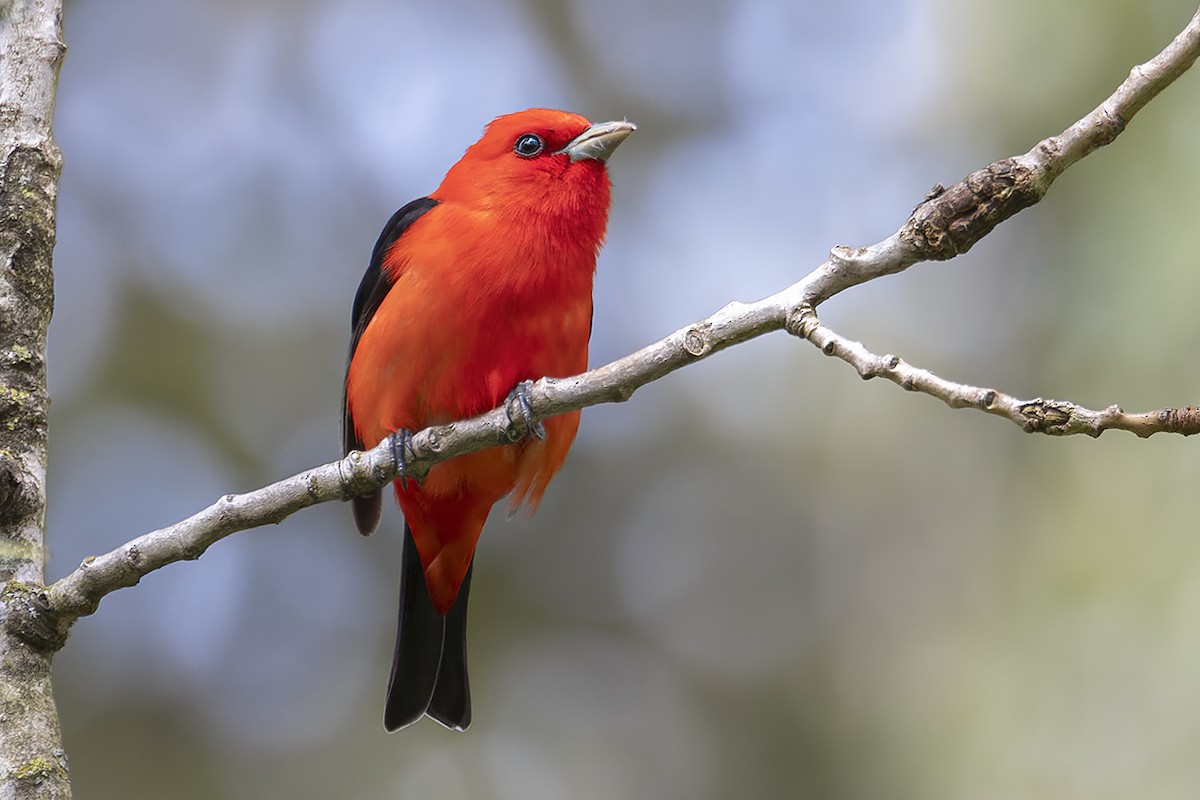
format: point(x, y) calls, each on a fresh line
point(472, 292)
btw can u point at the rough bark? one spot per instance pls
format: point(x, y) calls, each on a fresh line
point(32, 760)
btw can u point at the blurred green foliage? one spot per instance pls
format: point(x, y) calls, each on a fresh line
point(759, 578)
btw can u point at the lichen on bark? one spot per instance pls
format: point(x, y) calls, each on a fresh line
point(32, 759)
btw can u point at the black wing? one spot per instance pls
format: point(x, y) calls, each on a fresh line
point(374, 287)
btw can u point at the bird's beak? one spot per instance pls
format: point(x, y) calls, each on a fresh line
point(598, 141)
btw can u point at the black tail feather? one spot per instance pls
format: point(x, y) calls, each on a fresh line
point(429, 666)
point(418, 645)
point(451, 701)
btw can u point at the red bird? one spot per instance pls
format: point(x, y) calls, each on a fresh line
point(480, 286)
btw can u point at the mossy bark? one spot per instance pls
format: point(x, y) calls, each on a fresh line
point(32, 760)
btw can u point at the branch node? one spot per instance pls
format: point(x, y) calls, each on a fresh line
point(1045, 416)
point(937, 191)
point(1118, 123)
point(435, 441)
point(31, 618)
point(841, 256)
point(354, 479)
point(801, 321)
point(950, 222)
point(17, 499)
point(696, 340)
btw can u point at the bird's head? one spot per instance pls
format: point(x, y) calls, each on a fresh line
point(541, 162)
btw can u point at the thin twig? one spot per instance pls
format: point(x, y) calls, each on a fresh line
point(1039, 415)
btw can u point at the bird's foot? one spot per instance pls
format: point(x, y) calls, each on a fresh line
point(520, 397)
point(401, 443)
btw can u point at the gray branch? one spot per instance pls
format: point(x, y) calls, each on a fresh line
point(944, 225)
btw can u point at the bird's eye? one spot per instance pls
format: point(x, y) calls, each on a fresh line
point(528, 145)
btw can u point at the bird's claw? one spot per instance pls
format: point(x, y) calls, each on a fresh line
point(401, 443)
point(520, 396)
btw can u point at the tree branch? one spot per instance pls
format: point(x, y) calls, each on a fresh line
point(945, 224)
point(950, 221)
point(1052, 417)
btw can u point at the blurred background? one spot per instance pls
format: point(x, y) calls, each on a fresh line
point(761, 577)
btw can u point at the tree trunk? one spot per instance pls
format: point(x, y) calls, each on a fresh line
point(32, 759)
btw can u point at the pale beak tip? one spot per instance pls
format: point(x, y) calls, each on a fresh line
point(599, 141)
